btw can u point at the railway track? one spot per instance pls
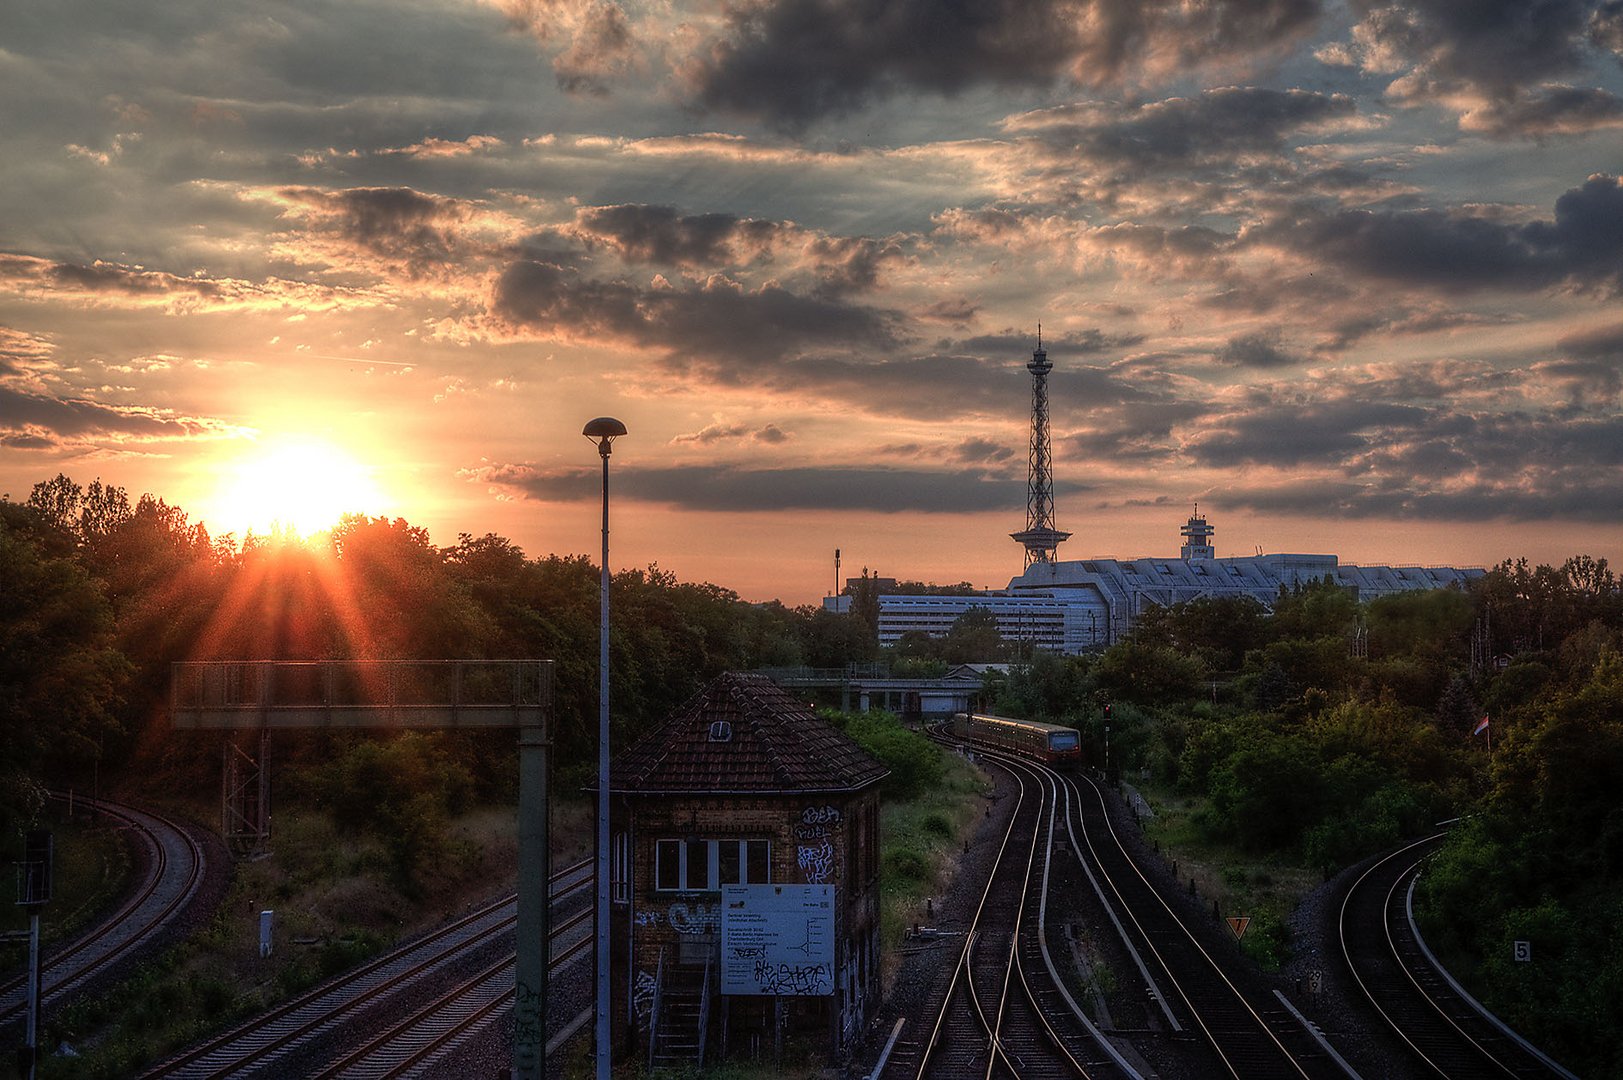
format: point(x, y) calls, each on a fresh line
point(417, 1041)
point(303, 1030)
point(1004, 1011)
point(1443, 1030)
point(1247, 1033)
point(174, 864)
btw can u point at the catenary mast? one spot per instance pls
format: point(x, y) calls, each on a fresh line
point(1039, 536)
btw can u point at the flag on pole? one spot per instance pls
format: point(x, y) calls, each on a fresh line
point(1481, 726)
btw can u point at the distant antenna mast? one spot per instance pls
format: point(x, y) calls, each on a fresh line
point(1039, 537)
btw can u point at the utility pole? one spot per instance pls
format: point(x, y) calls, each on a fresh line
point(33, 893)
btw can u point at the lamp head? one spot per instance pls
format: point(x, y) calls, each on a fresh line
point(605, 429)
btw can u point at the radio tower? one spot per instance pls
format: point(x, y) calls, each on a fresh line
point(1039, 536)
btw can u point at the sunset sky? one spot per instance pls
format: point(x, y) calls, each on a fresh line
point(1346, 274)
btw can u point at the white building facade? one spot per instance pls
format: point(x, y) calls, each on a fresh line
point(1073, 606)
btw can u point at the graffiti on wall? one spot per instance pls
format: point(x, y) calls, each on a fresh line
point(817, 862)
point(642, 996)
point(814, 832)
point(794, 979)
point(695, 918)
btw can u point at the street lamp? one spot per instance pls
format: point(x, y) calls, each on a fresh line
point(605, 429)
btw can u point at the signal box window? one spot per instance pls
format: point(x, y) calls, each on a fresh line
point(707, 865)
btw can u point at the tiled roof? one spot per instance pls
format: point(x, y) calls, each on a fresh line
point(769, 742)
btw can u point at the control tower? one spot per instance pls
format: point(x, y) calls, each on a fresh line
point(1039, 537)
point(1197, 539)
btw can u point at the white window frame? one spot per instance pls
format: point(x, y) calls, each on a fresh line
point(683, 849)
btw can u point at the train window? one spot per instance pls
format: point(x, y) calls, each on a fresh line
point(1063, 740)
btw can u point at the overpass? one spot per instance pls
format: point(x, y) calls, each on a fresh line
point(872, 686)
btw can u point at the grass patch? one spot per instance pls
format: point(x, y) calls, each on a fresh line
point(1265, 888)
point(920, 842)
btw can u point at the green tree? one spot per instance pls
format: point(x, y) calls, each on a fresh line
point(973, 637)
point(61, 678)
point(1149, 674)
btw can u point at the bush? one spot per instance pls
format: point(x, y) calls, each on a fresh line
point(913, 760)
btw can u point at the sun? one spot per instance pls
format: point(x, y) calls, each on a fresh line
point(294, 483)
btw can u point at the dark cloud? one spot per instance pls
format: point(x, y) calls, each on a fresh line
point(1551, 110)
point(1216, 125)
point(1256, 351)
point(932, 385)
point(1373, 460)
point(37, 416)
point(847, 264)
point(1016, 343)
point(1453, 252)
point(795, 61)
point(718, 319)
point(957, 309)
point(1290, 436)
point(603, 47)
point(1507, 55)
point(731, 488)
point(1567, 497)
point(410, 232)
point(1496, 45)
point(938, 385)
point(975, 451)
point(662, 236)
point(1605, 343)
point(27, 440)
point(26, 273)
point(719, 432)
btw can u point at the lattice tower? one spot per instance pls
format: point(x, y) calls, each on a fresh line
point(1039, 537)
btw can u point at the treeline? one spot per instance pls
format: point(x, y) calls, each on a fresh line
point(1331, 729)
point(99, 594)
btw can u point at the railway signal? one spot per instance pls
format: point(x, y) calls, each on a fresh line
point(33, 893)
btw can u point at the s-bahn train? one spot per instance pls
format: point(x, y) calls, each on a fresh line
point(1051, 743)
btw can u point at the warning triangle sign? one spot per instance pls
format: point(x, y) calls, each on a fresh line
point(1238, 923)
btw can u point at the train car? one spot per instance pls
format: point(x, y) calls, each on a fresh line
point(1051, 743)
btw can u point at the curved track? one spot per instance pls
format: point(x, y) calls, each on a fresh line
point(1248, 1033)
point(296, 1037)
point(174, 865)
point(1444, 1030)
point(1004, 1011)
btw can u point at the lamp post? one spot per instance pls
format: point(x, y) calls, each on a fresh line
point(605, 429)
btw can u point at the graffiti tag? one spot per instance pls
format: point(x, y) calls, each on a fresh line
point(694, 918)
point(817, 862)
point(794, 979)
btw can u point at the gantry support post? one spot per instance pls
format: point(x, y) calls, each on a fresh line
point(394, 695)
point(530, 1002)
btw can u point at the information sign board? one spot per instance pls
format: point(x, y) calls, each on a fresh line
point(777, 940)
